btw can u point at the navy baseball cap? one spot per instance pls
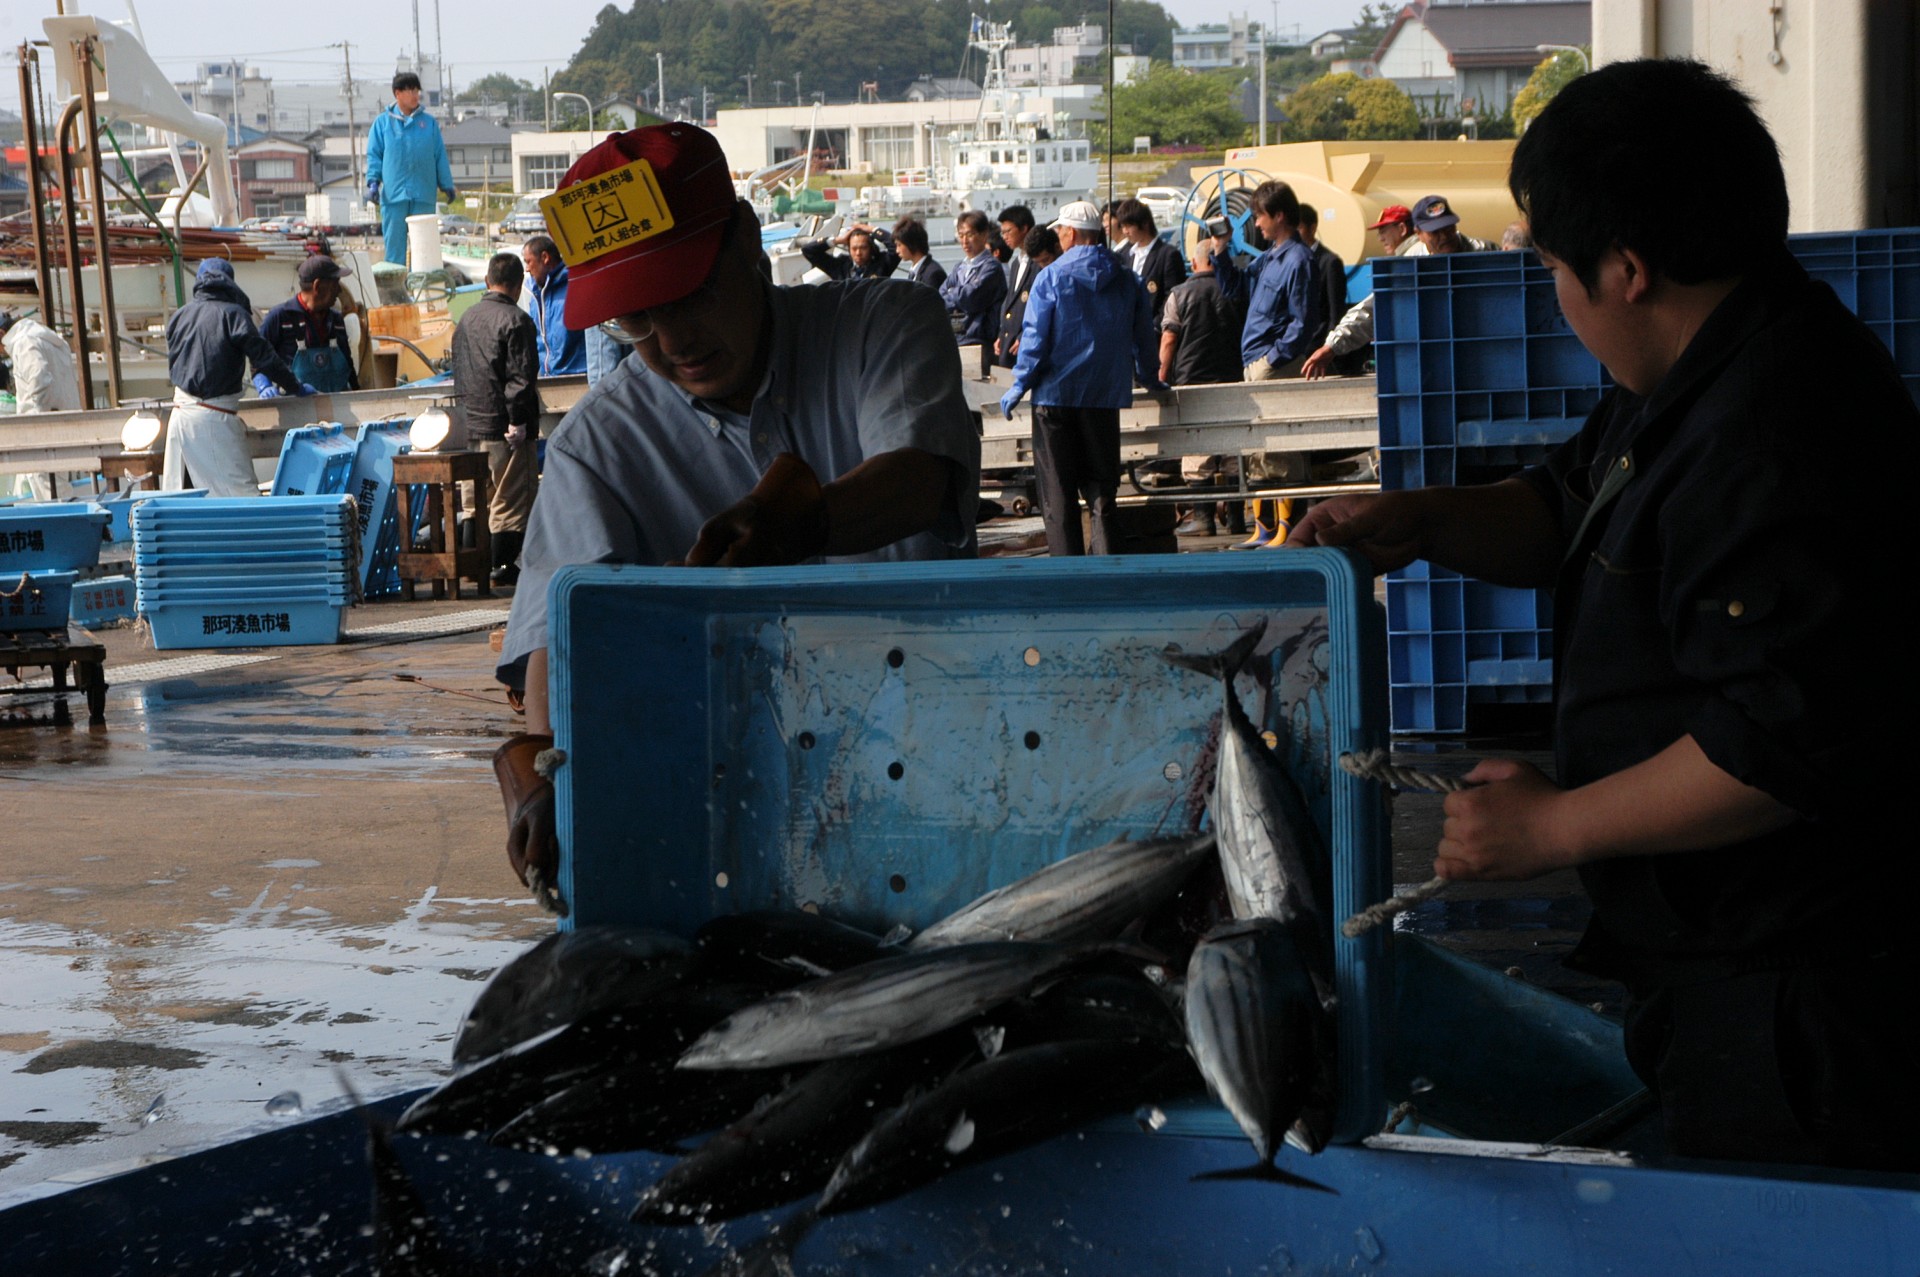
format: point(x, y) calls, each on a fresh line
point(1434, 213)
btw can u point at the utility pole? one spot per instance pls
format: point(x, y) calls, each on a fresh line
point(353, 129)
point(416, 37)
point(440, 57)
point(547, 97)
point(660, 100)
point(1263, 83)
point(748, 77)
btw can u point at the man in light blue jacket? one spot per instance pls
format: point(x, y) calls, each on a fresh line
point(407, 165)
point(1087, 336)
point(563, 350)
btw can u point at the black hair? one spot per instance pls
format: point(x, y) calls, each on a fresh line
point(1309, 216)
point(538, 244)
point(505, 271)
point(1135, 216)
point(909, 234)
point(1276, 199)
point(1019, 214)
point(405, 80)
point(1645, 155)
point(1041, 239)
point(863, 234)
point(974, 220)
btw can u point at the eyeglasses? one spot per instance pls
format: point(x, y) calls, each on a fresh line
point(632, 329)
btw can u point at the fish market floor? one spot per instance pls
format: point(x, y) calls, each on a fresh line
point(277, 873)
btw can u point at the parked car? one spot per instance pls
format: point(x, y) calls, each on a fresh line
point(459, 224)
point(526, 218)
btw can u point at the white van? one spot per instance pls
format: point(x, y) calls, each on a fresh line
point(526, 219)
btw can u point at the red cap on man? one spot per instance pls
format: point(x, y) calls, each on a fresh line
point(1390, 214)
point(639, 220)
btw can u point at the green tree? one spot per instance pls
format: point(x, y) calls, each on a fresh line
point(1321, 110)
point(1552, 75)
point(522, 98)
point(1382, 112)
point(1173, 107)
point(1288, 69)
point(1143, 24)
point(1035, 23)
point(1373, 21)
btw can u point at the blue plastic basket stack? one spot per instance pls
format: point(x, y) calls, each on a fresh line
point(242, 572)
point(1480, 375)
point(325, 459)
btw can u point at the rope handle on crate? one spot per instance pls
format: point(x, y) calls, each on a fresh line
point(1374, 764)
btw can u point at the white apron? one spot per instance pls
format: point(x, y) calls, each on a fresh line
point(207, 441)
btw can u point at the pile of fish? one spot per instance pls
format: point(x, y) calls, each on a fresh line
point(820, 1060)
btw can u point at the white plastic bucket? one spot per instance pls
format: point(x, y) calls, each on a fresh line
point(423, 242)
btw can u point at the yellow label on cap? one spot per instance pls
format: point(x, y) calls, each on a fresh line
point(606, 212)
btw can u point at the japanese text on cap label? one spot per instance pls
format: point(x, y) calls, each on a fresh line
point(607, 212)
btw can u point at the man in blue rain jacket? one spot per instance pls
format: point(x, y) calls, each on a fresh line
point(407, 165)
point(563, 350)
point(1088, 318)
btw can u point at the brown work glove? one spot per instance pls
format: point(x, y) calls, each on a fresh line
point(783, 520)
point(532, 848)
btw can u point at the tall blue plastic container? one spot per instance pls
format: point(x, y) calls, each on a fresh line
point(887, 742)
point(1479, 374)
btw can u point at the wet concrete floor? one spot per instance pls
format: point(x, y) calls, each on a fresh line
point(260, 883)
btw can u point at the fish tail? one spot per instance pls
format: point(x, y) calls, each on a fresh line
point(1223, 664)
point(1268, 1173)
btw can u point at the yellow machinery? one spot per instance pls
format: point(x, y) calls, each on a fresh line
point(1350, 182)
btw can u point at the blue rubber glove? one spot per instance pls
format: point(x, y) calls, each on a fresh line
point(306, 390)
point(373, 192)
point(1008, 402)
point(264, 384)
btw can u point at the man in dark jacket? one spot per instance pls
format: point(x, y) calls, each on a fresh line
point(978, 285)
point(1155, 261)
point(910, 241)
point(1720, 667)
point(210, 341)
point(1088, 333)
point(1329, 275)
point(310, 334)
point(869, 254)
point(495, 363)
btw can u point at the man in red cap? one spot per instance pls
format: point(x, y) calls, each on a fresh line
point(1403, 233)
point(758, 425)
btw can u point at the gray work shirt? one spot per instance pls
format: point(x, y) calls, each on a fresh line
point(857, 369)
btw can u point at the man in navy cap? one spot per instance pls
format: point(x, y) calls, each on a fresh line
point(310, 334)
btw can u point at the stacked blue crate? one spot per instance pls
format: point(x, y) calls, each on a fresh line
point(370, 482)
point(246, 572)
point(43, 536)
point(314, 461)
point(1479, 375)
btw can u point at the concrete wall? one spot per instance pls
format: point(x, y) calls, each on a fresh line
point(1837, 88)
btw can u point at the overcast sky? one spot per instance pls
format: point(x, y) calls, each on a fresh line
point(478, 36)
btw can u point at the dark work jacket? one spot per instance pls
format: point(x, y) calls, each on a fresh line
point(925, 271)
point(289, 327)
point(1737, 590)
point(1330, 282)
point(1207, 324)
point(1018, 287)
point(1161, 274)
point(495, 363)
point(820, 255)
point(211, 339)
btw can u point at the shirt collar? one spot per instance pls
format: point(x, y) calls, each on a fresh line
point(712, 414)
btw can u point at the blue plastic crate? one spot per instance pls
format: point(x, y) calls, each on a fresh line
point(36, 601)
point(371, 485)
point(259, 623)
point(120, 506)
point(313, 460)
point(104, 600)
point(888, 741)
point(50, 536)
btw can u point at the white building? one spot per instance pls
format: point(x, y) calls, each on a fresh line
point(875, 137)
point(1074, 54)
point(540, 159)
point(1472, 58)
point(1217, 44)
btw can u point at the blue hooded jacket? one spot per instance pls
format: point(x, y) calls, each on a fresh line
point(407, 156)
point(211, 339)
point(563, 350)
point(1088, 334)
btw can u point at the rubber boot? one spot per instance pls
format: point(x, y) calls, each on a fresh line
point(506, 557)
point(1262, 529)
point(1282, 523)
point(1195, 521)
point(1235, 513)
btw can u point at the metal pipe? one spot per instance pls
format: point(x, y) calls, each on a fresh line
point(102, 255)
point(36, 189)
point(70, 238)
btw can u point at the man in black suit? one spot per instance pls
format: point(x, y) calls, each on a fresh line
point(1156, 262)
point(910, 241)
point(1016, 223)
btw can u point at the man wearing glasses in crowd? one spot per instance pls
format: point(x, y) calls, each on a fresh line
point(759, 425)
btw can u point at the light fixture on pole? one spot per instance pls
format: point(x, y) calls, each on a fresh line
point(562, 93)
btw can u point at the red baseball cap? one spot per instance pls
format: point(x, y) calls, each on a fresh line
point(1390, 214)
point(639, 220)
